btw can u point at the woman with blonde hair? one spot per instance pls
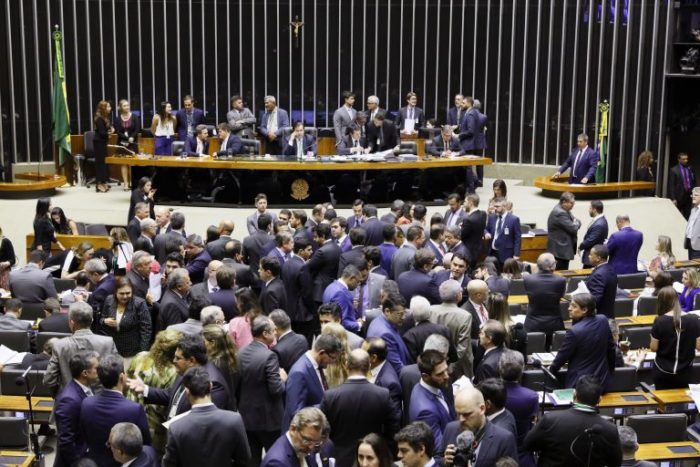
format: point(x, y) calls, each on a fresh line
point(155, 368)
point(336, 373)
point(665, 258)
point(122, 249)
point(691, 287)
point(223, 355)
point(516, 335)
point(76, 257)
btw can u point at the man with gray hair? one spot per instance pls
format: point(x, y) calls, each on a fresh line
point(272, 124)
point(174, 306)
point(148, 233)
point(300, 442)
point(80, 316)
point(213, 314)
point(416, 336)
point(133, 228)
point(140, 274)
point(544, 292)
point(373, 108)
point(162, 219)
point(174, 231)
point(103, 285)
point(126, 443)
point(459, 324)
point(629, 445)
point(290, 345)
point(197, 258)
point(624, 245)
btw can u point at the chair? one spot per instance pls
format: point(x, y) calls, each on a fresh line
point(32, 311)
point(63, 284)
point(178, 148)
point(677, 274)
point(646, 306)
point(659, 428)
point(696, 302)
point(9, 386)
point(89, 156)
point(558, 339)
point(408, 147)
point(631, 281)
point(81, 227)
point(428, 146)
point(14, 433)
point(308, 130)
point(572, 284)
point(536, 342)
point(564, 310)
point(639, 338)
point(517, 287)
point(42, 337)
point(15, 340)
point(515, 309)
point(251, 146)
point(623, 307)
point(533, 379)
point(99, 230)
point(623, 379)
point(524, 228)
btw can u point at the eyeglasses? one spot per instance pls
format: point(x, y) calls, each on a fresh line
point(310, 442)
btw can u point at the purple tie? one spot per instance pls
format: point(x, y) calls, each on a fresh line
point(686, 178)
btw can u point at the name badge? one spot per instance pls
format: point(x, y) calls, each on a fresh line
point(506, 231)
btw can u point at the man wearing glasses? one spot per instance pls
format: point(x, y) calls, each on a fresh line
point(297, 447)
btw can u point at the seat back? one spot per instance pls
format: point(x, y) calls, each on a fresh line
point(533, 379)
point(408, 147)
point(696, 302)
point(536, 342)
point(96, 229)
point(428, 146)
point(677, 274)
point(646, 305)
point(572, 283)
point(515, 309)
point(32, 311)
point(250, 146)
point(10, 385)
point(14, 433)
point(659, 428)
point(631, 281)
point(15, 340)
point(564, 310)
point(81, 227)
point(42, 337)
point(638, 337)
point(623, 379)
point(178, 148)
point(64, 284)
point(89, 144)
point(557, 340)
point(623, 307)
point(517, 287)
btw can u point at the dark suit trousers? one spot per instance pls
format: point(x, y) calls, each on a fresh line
point(257, 440)
point(562, 264)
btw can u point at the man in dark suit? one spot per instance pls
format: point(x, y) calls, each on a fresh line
point(381, 373)
point(445, 144)
point(410, 118)
point(357, 408)
point(373, 226)
point(300, 144)
point(354, 142)
point(284, 244)
point(31, 284)
point(170, 239)
point(355, 255)
point(341, 293)
point(231, 144)
point(233, 258)
point(454, 114)
point(503, 229)
point(473, 226)
point(468, 135)
point(254, 245)
point(381, 134)
point(494, 392)
point(597, 231)
point(71, 445)
point(602, 283)
point(188, 118)
point(544, 292)
point(298, 443)
point(323, 265)
point(261, 392)
point(386, 326)
point(216, 249)
point(681, 180)
point(624, 245)
point(198, 145)
point(492, 339)
point(103, 285)
point(419, 281)
point(560, 436)
point(126, 445)
point(190, 352)
point(98, 414)
point(415, 337)
point(454, 212)
point(436, 242)
point(273, 294)
point(493, 441)
point(133, 228)
point(290, 346)
point(583, 162)
point(174, 304)
point(223, 294)
point(562, 228)
point(218, 435)
point(478, 292)
point(298, 285)
point(457, 271)
point(273, 121)
point(307, 381)
point(197, 258)
point(139, 274)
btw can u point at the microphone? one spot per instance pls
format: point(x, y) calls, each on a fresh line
point(538, 364)
point(464, 449)
point(22, 379)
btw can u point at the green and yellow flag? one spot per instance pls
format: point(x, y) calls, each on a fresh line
point(603, 108)
point(60, 117)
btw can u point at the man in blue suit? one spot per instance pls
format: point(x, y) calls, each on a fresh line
point(597, 232)
point(298, 443)
point(340, 292)
point(299, 143)
point(71, 444)
point(100, 413)
point(306, 382)
point(503, 229)
point(583, 162)
point(427, 398)
point(198, 145)
point(624, 246)
point(454, 114)
point(468, 136)
point(602, 283)
point(231, 144)
point(415, 445)
point(419, 281)
point(126, 443)
point(273, 121)
point(386, 326)
point(188, 117)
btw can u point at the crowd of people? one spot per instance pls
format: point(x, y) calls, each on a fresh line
point(295, 339)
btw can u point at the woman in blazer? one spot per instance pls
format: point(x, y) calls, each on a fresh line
point(126, 318)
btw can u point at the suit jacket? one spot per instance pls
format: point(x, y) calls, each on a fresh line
point(676, 188)
point(197, 265)
point(346, 144)
point(303, 389)
point(99, 414)
point(134, 333)
point(495, 443)
point(220, 392)
point(436, 250)
point(32, 285)
point(323, 267)
point(289, 348)
point(426, 407)
point(159, 244)
point(554, 436)
point(147, 458)
point(453, 116)
point(253, 246)
point(694, 232)
point(402, 260)
point(207, 433)
point(507, 244)
point(308, 144)
point(191, 147)
point(624, 246)
point(415, 337)
point(298, 285)
point(71, 444)
point(354, 256)
point(216, 249)
point(10, 323)
point(245, 276)
point(481, 122)
point(226, 300)
point(562, 228)
point(342, 118)
point(473, 226)
point(355, 409)
point(337, 292)
point(454, 218)
point(585, 168)
point(387, 251)
point(382, 138)
point(191, 326)
point(438, 145)
point(468, 131)
point(282, 122)
point(524, 404)
point(181, 117)
point(596, 234)
point(397, 353)
point(375, 231)
point(409, 378)
point(345, 244)
point(139, 284)
point(133, 229)
point(544, 292)
point(488, 366)
point(103, 289)
point(173, 310)
point(261, 392)
point(282, 454)
point(231, 147)
point(388, 379)
point(418, 116)
point(588, 348)
point(273, 296)
point(376, 282)
point(58, 372)
point(416, 282)
point(602, 284)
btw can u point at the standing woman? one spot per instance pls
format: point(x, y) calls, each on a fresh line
point(103, 128)
point(674, 337)
point(127, 127)
point(223, 355)
point(143, 193)
point(163, 129)
point(126, 318)
point(644, 170)
point(44, 233)
point(7, 260)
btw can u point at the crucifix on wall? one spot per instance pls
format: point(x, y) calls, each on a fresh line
point(297, 25)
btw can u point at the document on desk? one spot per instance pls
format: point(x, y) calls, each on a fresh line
point(9, 356)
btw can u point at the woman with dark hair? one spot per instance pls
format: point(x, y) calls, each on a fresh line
point(213, 234)
point(516, 335)
point(249, 307)
point(644, 171)
point(512, 270)
point(163, 129)
point(103, 128)
point(61, 224)
point(674, 337)
point(588, 346)
point(372, 451)
point(223, 355)
point(44, 233)
point(500, 190)
point(143, 193)
point(127, 127)
point(126, 318)
point(7, 260)
point(406, 216)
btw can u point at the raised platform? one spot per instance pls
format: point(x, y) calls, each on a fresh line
point(555, 187)
point(36, 185)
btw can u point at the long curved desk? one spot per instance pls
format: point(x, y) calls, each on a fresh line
point(554, 187)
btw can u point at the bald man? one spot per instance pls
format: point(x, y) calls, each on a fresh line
point(476, 305)
point(217, 247)
point(493, 442)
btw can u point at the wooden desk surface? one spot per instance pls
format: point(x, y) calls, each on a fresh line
point(28, 457)
point(687, 263)
point(617, 399)
point(69, 241)
point(574, 272)
point(672, 396)
point(661, 451)
point(562, 184)
point(644, 320)
point(517, 300)
point(259, 163)
point(20, 404)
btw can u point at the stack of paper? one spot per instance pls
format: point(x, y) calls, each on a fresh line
point(9, 356)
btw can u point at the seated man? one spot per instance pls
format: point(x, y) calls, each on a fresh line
point(230, 144)
point(353, 142)
point(198, 145)
point(300, 144)
point(11, 321)
point(445, 144)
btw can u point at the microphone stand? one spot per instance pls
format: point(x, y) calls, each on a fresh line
point(33, 436)
point(590, 448)
point(545, 390)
